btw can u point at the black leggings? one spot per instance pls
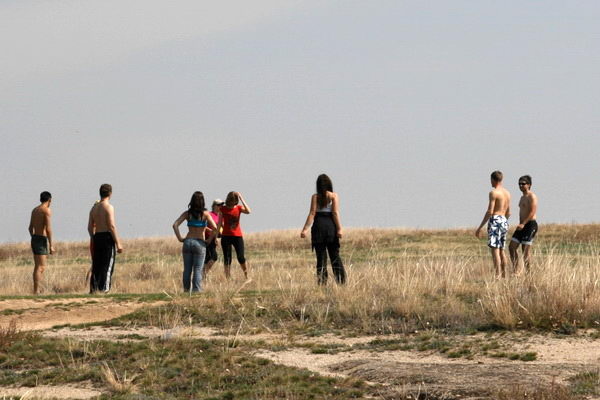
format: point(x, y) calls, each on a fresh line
point(238, 244)
point(336, 262)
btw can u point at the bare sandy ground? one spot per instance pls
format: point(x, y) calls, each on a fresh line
point(50, 392)
point(44, 314)
point(402, 372)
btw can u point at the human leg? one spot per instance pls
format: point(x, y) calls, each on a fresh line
point(527, 257)
point(238, 245)
point(188, 262)
point(39, 247)
point(226, 248)
point(336, 263)
point(102, 262)
point(321, 253)
point(211, 257)
point(198, 254)
point(497, 259)
point(514, 255)
point(38, 271)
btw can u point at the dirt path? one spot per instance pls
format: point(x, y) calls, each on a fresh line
point(49, 392)
point(44, 314)
point(399, 372)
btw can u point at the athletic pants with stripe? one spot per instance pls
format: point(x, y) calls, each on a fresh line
point(103, 262)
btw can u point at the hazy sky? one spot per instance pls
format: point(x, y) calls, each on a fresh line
point(407, 105)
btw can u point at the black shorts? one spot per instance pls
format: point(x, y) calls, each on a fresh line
point(211, 252)
point(39, 245)
point(527, 234)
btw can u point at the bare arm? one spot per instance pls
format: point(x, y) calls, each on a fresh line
point(91, 225)
point(488, 213)
point(213, 227)
point(178, 222)
point(48, 224)
point(311, 215)
point(220, 224)
point(245, 209)
point(112, 228)
point(31, 225)
point(335, 213)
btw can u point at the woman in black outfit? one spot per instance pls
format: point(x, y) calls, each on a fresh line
point(326, 230)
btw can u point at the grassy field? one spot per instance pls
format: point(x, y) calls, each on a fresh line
point(397, 279)
point(435, 291)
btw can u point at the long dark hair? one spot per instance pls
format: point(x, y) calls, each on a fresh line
point(196, 206)
point(231, 199)
point(323, 186)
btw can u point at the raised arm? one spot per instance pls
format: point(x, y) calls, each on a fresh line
point(245, 209)
point(178, 222)
point(311, 215)
point(112, 227)
point(335, 213)
point(488, 213)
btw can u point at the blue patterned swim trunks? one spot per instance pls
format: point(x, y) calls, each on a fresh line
point(497, 229)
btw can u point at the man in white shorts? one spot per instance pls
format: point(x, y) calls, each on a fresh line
point(496, 216)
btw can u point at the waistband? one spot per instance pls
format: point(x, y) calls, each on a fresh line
point(39, 237)
point(323, 214)
point(102, 234)
point(194, 239)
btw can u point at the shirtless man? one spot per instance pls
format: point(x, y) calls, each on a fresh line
point(40, 230)
point(496, 216)
point(103, 232)
point(527, 228)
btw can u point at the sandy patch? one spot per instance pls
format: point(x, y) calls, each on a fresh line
point(48, 313)
point(19, 304)
point(49, 392)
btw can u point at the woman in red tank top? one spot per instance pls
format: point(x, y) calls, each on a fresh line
point(231, 236)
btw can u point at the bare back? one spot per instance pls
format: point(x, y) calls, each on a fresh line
point(499, 202)
point(39, 220)
point(100, 216)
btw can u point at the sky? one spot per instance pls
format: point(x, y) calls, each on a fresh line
point(407, 105)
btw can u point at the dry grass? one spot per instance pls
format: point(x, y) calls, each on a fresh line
point(118, 384)
point(436, 278)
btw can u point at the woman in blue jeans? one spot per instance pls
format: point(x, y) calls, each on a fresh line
point(194, 244)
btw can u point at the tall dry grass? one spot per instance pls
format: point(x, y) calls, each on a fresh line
point(395, 278)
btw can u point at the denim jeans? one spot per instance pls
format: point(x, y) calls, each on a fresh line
point(194, 251)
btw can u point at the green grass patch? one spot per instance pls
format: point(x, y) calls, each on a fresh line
point(177, 369)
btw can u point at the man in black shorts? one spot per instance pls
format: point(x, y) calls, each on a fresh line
point(40, 230)
point(527, 228)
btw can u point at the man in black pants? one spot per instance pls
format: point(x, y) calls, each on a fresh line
point(102, 230)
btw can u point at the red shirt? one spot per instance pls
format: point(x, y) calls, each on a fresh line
point(231, 221)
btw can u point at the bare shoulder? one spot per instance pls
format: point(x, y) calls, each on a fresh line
point(332, 195)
